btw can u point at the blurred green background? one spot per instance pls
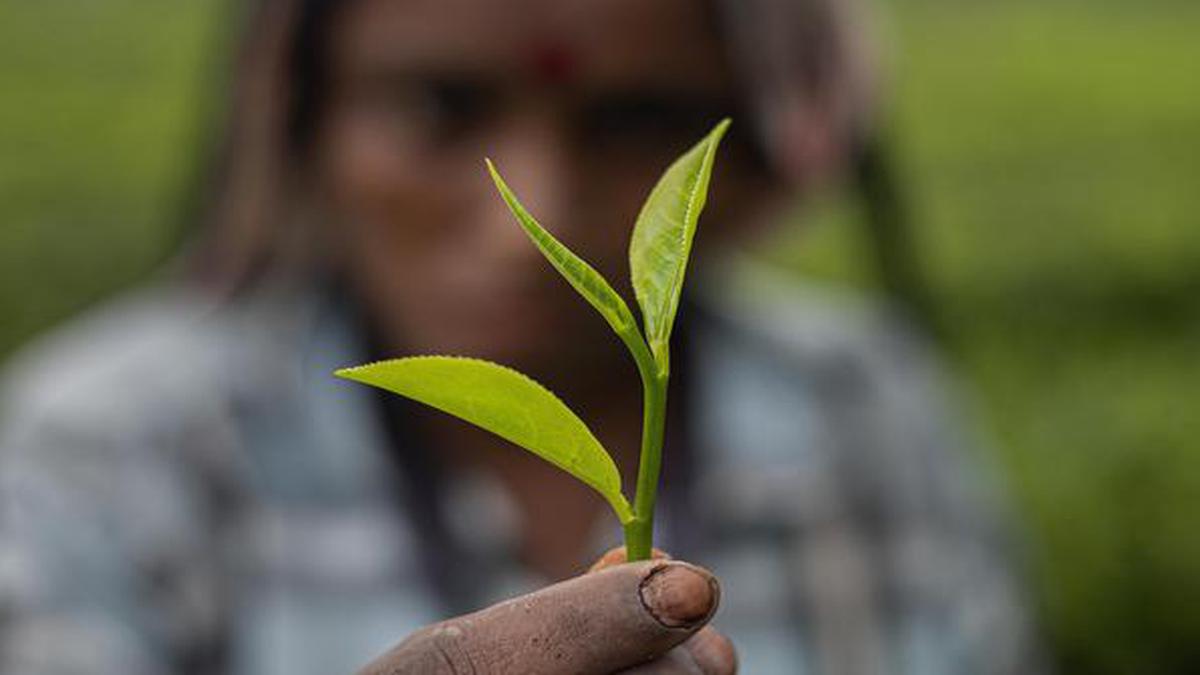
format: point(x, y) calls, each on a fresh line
point(1050, 151)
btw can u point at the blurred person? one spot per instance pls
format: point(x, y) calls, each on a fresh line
point(187, 489)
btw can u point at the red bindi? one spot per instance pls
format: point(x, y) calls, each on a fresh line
point(553, 62)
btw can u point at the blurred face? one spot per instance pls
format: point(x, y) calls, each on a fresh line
point(581, 104)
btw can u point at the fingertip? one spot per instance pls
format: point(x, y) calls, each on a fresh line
point(679, 594)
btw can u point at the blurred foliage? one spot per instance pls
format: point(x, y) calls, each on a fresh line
point(102, 102)
point(1051, 153)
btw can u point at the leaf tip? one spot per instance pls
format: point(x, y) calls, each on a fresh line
point(493, 171)
point(501, 186)
point(347, 373)
point(717, 133)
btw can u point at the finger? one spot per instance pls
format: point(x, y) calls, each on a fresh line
point(616, 556)
point(713, 652)
point(675, 662)
point(595, 624)
point(706, 653)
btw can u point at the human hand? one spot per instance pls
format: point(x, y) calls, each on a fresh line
point(644, 618)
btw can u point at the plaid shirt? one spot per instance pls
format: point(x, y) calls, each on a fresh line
point(185, 489)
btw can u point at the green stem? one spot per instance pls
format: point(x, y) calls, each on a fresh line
point(638, 535)
point(639, 532)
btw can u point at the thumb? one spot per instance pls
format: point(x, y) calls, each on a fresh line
point(597, 624)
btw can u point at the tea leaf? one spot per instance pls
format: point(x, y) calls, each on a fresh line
point(506, 403)
point(662, 239)
point(582, 276)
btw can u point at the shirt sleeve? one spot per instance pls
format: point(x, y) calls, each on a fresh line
point(102, 541)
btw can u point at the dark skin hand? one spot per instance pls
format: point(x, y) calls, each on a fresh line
point(644, 618)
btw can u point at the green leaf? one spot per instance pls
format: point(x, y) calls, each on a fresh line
point(582, 276)
point(662, 240)
point(508, 404)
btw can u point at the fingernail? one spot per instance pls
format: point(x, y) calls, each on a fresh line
point(679, 595)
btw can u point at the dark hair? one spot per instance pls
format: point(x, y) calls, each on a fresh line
point(307, 68)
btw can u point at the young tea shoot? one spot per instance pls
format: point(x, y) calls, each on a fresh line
point(518, 409)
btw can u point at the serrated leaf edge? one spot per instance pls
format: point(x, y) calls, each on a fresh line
point(658, 344)
point(618, 501)
point(617, 315)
